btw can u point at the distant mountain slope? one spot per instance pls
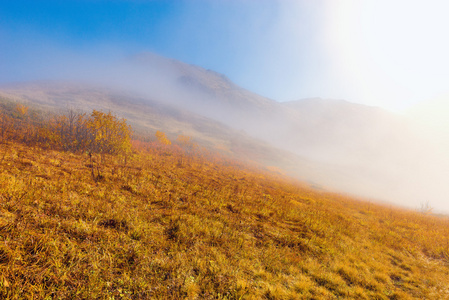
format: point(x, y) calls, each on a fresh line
point(192, 88)
point(196, 79)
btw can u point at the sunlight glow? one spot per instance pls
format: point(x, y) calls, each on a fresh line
point(393, 53)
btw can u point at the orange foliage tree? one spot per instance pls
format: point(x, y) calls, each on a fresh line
point(109, 134)
point(6, 127)
point(70, 131)
point(162, 138)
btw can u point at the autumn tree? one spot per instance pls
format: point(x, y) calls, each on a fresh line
point(6, 127)
point(162, 138)
point(186, 143)
point(21, 110)
point(184, 140)
point(23, 128)
point(72, 132)
point(108, 134)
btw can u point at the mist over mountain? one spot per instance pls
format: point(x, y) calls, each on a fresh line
point(347, 147)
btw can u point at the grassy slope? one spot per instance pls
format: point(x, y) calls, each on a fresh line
point(171, 227)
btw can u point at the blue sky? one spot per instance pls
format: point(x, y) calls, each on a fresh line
point(384, 53)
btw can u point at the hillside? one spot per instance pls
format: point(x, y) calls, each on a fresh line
point(147, 115)
point(144, 114)
point(167, 225)
point(335, 144)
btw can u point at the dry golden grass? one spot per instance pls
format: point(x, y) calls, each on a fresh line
point(174, 223)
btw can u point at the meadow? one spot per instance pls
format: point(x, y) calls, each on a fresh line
point(160, 219)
